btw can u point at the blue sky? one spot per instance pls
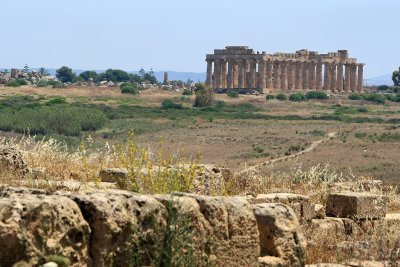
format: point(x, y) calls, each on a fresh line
point(176, 35)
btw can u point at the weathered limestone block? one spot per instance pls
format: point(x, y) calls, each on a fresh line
point(114, 175)
point(11, 160)
point(35, 226)
point(125, 226)
point(280, 235)
point(301, 205)
point(320, 211)
point(226, 232)
point(325, 232)
point(356, 205)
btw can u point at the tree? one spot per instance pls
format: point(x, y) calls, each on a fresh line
point(396, 77)
point(43, 72)
point(26, 68)
point(65, 74)
point(86, 75)
point(115, 76)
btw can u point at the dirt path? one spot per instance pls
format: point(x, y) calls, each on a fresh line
point(308, 149)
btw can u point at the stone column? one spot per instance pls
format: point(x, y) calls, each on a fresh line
point(284, 76)
point(209, 73)
point(245, 74)
point(223, 74)
point(305, 75)
point(353, 78)
point(269, 74)
point(217, 74)
point(339, 84)
point(276, 75)
point(261, 74)
point(360, 81)
point(333, 76)
point(347, 78)
point(230, 74)
point(235, 77)
point(299, 75)
point(291, 77)
point(252, 74)
point(327, 77)
point(241, 74)
point(318, 78)
point(311, 75)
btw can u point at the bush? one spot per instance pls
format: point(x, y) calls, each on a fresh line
point(362, 109)
point(297, 97)
point(129, 89)
point(281, 97)
point(42, 83)
point(316, 95)
point(204, 95)
point(56, 101)
point(168, 104)
point(233, 94)
point(187, 92)
point(59, 119)
point(270, 97)
point(383, 88)
point(21, 81)
point(13, 83)
point(356, 96)
point(376, 98)
point(52, 82)
point(59, 85)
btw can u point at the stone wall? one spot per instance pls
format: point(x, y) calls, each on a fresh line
point(120, 228)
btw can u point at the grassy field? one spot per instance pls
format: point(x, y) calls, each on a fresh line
point(236, 132)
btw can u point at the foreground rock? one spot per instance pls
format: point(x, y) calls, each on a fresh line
point(120, 228)
point(11, 160)
point(301, 205)
point(356, 205)
point(33, 226)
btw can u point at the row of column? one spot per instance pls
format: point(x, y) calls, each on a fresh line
point(285, 75)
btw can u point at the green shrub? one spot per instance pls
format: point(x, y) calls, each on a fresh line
point(297, 97)
point(362, 109)
point(60, 119)
point(360, 135)
point(233, 94)
point(187, 92)
point(356, 96)
point(269, 97)
point(59, 85)
point(52, 82)
point(169, 104)
point(129, 89)
point(383, 88)
point(281, 97)
point(376, 98)
point(316, 95)
point(42, 83)
point(13, 83)
point(56, 101)
point(204, 95)
point(21, 81)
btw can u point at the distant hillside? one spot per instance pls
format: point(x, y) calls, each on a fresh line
point(379, 80)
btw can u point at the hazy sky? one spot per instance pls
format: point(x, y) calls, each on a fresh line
point(176, 35)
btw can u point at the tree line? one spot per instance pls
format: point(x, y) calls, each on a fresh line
point(66, 75)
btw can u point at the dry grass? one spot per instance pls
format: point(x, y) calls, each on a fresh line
point(368, 240)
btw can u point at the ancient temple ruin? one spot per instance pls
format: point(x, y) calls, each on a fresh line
point(239, 67)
